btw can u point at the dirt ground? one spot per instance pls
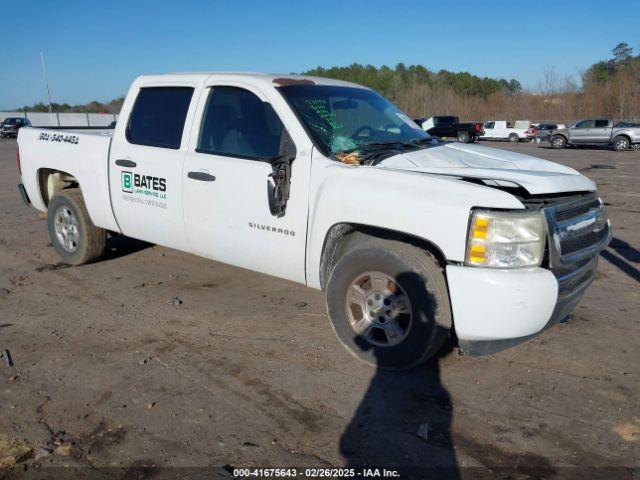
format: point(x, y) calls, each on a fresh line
point(111, 374)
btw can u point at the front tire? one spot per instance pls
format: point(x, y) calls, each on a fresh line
point(558, 142)
point(388, 303)
point(514, 138)
point(73, 235)
point(464, 137)
point(621, 143)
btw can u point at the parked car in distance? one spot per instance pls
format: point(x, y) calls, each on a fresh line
point(251, 170)
point(450, 126)
point(10, 126)
point(503, 130)
point(598, 131)
point(543, 130)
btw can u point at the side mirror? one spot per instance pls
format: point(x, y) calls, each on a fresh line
point(279, 180)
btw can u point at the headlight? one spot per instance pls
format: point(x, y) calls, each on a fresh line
point(506, 239)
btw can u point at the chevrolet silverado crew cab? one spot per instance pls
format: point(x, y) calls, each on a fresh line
point(326, 183)
point(603, 131)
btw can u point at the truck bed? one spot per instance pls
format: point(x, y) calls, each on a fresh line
point(80, 153)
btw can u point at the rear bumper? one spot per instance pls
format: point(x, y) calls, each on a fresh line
point(497, 309)
point(23, 194)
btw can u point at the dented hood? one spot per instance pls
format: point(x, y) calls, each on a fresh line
point(494, 166)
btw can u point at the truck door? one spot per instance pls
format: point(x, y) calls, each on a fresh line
point(489, 128)
point(443, 127)
point(226, 200)
point(581, 132)
point(500, 129)
point(601, 131)
point(146, 163)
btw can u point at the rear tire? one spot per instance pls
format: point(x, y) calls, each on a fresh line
point(621, 143)
point(388, 302)
point(514, 138)
point(464, 137)
point(73, 235)
point(558, 142)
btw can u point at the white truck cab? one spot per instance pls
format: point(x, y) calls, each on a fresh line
point(326, 183)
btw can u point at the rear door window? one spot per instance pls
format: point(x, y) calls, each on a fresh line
point(585, 124)
point(158, 116)
point(602, 123)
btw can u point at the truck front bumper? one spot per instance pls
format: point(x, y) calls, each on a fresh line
point(497, 309)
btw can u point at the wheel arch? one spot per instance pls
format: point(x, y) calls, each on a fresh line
point(563, 135)
point(337, 235)
point(625, 135)
point(52, 181)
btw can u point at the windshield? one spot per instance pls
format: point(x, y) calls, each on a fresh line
point(343, 119)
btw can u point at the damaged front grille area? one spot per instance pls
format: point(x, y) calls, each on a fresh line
point(568, 213)
point(577, 230)
point(581, 242)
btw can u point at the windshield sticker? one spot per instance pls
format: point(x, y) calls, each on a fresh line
point(340, 143)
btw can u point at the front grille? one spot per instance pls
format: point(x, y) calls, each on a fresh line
point(587, 240)
point(563, 215)
point(577, 230)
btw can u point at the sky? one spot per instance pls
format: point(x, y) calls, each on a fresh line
point(94, 49)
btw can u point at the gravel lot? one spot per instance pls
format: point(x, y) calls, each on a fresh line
point(108, 373)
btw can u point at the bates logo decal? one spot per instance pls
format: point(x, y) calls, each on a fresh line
point(127, 184)
point(146, 185)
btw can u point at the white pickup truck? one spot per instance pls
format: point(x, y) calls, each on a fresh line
point(328, 184)
point(503, 130)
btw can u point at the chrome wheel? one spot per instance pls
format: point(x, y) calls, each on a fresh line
point(622, 144)
point(66, 228)
point(379, 310)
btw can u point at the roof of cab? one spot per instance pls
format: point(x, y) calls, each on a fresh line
point(249, 77)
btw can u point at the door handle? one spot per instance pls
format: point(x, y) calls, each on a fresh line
point(126, 163)
point(202, 176)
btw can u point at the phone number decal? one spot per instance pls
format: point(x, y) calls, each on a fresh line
point(59, 137)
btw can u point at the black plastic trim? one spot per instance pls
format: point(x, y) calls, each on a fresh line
point(23, 194)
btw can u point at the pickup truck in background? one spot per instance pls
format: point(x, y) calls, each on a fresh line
point(503, 130)
point(10, 126)
point(327, 183)
point(543, 130)
point(450, 126)
point(600, 131)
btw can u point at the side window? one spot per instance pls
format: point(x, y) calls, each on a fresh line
point(585, 124)
point(237, 123)
point(158, 116)
point(602, 123)
point(489, 125)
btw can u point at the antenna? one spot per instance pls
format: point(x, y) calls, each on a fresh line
point(46, 82)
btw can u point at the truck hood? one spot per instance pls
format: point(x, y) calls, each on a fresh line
point(493, 166)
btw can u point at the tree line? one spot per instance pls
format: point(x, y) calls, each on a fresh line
point(610, 87)
point(113, 106)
